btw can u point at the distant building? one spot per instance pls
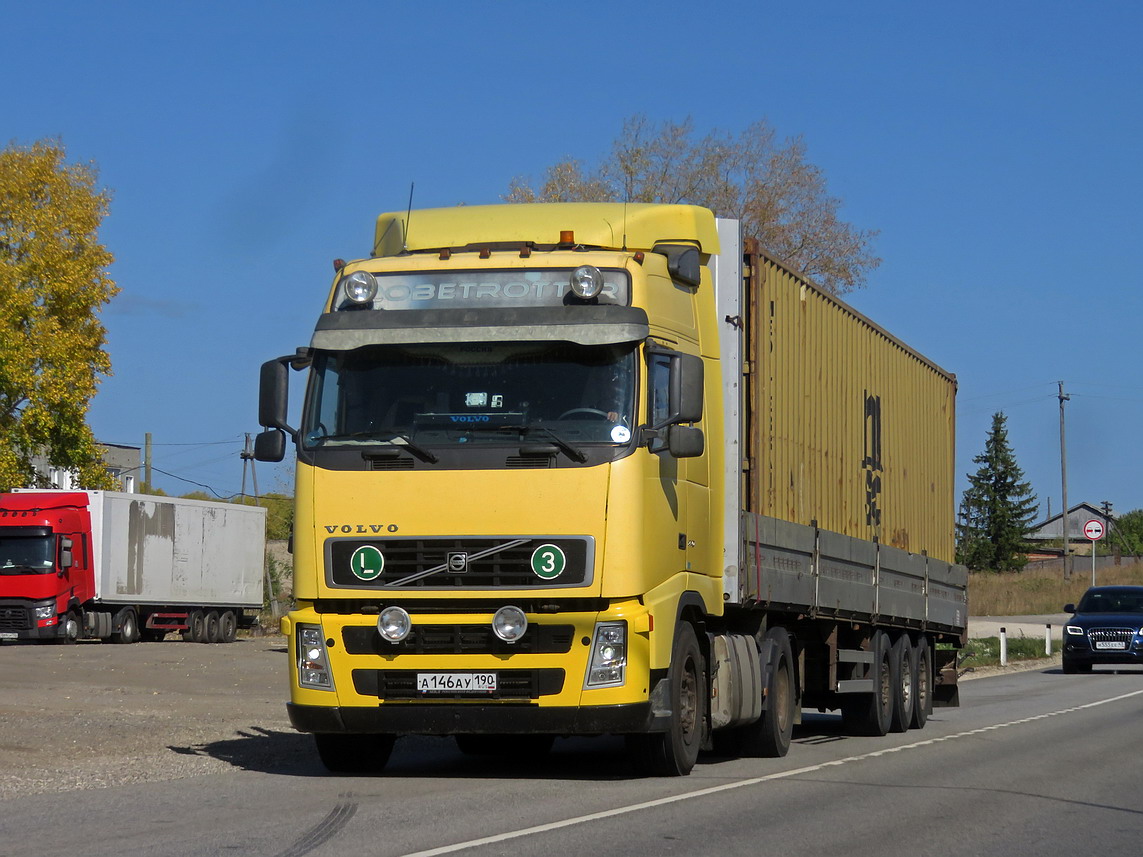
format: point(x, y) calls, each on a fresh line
point(123, 462)
point(1052, 529)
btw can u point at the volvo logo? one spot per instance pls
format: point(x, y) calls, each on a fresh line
point(457, 562)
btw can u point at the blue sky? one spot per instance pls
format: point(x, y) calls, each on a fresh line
point(996, 146)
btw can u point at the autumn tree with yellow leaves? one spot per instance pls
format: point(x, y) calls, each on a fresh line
point(53, 284)
point(754, 176)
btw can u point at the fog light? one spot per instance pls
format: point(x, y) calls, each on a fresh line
point(586, 281)
point(509, 624)
point(47, 611)
point(394, 624)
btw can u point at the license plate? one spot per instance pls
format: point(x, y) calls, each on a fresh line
point(456, 682)
point(9, 635)
point(1112, 644)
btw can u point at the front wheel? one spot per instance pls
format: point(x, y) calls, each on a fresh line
point(71, 629)
point(354, 754)
point(673, 753)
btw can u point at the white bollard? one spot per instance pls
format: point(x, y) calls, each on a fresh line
point(1003, 647)
point(1048, 640)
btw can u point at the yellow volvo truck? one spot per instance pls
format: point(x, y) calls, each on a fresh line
point(583, 469)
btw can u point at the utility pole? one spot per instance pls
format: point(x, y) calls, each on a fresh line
point(147, 461)
point(1064, 480)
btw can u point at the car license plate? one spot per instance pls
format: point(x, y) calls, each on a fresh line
point(456, 682)
point(1110, 644)
point(9, 635)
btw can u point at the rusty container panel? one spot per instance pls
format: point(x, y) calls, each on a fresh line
point(846, 425)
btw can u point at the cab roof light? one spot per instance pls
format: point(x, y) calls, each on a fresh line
point(567, 236)
point(485, 253)
point(446, 254)
point(525, 251)
point(338, 264)
point(639, 257)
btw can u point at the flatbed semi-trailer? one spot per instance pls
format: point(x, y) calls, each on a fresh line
point(581, 469)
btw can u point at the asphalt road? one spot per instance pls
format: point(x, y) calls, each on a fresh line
point(172, 748)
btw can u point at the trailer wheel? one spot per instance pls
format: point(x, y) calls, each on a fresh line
point(903, 675)
point(769, 736)
point(869, 713)
point(673, 753)
point(922, 684)
point(210, 627)
point(128, 627)
point(196, 627)
point(227, 627)
point(354, 754)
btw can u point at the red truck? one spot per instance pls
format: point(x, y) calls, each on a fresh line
point(127, 567)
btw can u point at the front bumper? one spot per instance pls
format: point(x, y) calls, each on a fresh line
point(444, 719)
point(1082, 653)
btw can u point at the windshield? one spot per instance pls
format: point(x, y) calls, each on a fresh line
point(465, 393)
point(26, 554)
point(1112, 601)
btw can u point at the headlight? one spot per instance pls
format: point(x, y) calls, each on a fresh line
point(1074, 630)
point(509, 624)
point(48, 611)
point(394, 624)
point(313, 664)
point(608, 665)
point(360, 287)
point(586, 281)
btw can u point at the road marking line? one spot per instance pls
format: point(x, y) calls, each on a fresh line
point(753, 781)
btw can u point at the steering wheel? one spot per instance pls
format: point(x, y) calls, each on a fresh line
point(595, 412)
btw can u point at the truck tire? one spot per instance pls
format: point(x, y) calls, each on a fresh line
point(769, 736)
point(70, 629)
point(673, 753)
point(227, 627)
point(196, 627)
point(128, 624)
point(869, 713)
point(354, 754)
point(210, 627)
point(903, 677)
point(923, 683)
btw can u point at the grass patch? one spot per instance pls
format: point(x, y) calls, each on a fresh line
point(985, 652)
point(1033, 593)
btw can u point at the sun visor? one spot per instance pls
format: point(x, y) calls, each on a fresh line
point(583, 325)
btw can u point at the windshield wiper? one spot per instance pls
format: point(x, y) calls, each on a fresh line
point(406, 442)
point(568, 450)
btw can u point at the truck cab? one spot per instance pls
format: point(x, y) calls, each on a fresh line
point(45, 566)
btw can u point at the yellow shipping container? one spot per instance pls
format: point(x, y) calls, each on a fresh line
point(845, 424)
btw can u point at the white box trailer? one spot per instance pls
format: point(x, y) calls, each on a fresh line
point(135, 566)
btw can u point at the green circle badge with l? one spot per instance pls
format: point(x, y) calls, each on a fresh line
point(548, 562)
point(367, 563)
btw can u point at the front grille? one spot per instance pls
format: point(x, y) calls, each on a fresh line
point(1111, 635)
point(15, 619)
point(511, 684)
point(473, 562)
point(459, 640)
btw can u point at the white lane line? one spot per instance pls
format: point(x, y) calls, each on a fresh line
point(753, 781)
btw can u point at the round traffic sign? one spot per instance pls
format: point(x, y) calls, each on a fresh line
point(1093, 529)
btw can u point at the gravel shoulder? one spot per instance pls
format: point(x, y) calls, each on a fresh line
point(98, 714)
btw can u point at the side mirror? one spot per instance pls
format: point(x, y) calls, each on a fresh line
point(66, 558)
point(686, 388)
point(274, 395)
point(270, 445)
point(1069, 608)
point(685, 441)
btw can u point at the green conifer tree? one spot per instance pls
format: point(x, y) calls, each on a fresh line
point(998, 507)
